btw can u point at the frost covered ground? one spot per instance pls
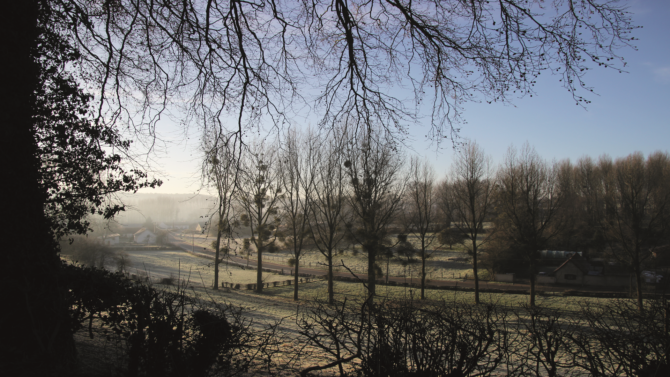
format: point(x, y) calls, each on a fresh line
point(183, 266)
point(443, 264)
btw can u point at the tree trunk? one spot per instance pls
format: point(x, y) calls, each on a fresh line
point(259, 272)
point(331, 291)
point(531, 301)
point(216, 260)
point(475, 270)
point(423, 274)
point(371, 274)
point(638, 288)
point(295, 280)
point(35, 337)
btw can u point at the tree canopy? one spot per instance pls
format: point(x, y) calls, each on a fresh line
point(255, 59)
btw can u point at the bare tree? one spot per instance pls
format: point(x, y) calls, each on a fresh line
point(420, 213)
point(634, 218)
point(329, 214)
point(528, 201)
point(220, 171)
point(258, 193)
point(470, 199)
point(374, 168)
point(588, 183)
point(296, 179)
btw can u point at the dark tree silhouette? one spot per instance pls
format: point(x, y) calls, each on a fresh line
point(220, 170)
point(635, 209)
point(420, 214)
point(61, 171)
point(258, 193)
point(470, 199)
point(296, 177)
point(374, 169)
point(528, 201)
point(329, 214)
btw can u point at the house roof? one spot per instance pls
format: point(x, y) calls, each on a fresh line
point(579, 262)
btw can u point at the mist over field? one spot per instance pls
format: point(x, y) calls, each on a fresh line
point(166, 208)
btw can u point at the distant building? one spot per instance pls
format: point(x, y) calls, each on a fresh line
point(557, 254)
point(144, 236)
point(110, 239)
point(576, 270)
point(573, 270)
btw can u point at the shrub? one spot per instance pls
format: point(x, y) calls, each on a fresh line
point(163, 333)
point(399, 338)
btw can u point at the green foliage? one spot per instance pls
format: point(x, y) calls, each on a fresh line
point(406, 252)
point(77, 170)
point(451, 237)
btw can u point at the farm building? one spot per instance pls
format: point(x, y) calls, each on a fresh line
point(573, 270)
point(145, 236)
point(576, 270)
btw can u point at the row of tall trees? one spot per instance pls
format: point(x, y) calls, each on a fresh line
point(617, 209)
point(320, 193)
point(327, 193)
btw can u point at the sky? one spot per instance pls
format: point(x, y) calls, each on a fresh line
point(630, 112)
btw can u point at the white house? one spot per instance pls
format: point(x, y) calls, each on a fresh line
point(145, 236)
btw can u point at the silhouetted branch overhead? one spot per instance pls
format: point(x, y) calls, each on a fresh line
point(254, 59)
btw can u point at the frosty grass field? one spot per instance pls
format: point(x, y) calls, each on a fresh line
point(275, 306)
point(276, 303)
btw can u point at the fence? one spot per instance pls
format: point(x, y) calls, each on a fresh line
point(252, 286)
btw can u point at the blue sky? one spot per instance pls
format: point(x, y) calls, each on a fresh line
point(631, 112)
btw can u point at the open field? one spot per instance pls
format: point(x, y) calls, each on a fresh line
point(277, 302)
point(292, 350)
point(440, 265)
point(183, 266)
